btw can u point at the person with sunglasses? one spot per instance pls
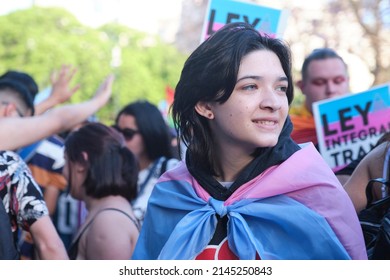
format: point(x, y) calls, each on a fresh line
point(148, 137)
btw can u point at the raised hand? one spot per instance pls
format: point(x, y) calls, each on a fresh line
point(60, 81)
point(103, 93)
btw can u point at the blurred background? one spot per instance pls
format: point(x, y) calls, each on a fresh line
point(145, 43)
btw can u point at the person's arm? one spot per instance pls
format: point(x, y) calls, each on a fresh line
point(28, 203)
point(61, 90)
point(19, 132)
point(46, 240)
point(370, 167)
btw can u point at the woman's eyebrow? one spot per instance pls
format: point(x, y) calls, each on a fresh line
point(280, 79)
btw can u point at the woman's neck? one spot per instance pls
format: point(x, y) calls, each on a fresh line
point(231, 164)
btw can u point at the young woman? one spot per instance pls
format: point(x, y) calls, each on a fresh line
point(245, 190)
point(148, 137)
point(102, 172)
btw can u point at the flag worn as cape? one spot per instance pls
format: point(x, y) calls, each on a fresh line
point(295, 210)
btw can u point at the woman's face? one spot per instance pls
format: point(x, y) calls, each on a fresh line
point(135, 142)
point(75, 174)
point(255, 113)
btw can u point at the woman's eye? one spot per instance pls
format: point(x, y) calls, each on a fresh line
point(282, 88)
point(249, 87)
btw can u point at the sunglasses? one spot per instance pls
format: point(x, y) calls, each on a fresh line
point(128, 133)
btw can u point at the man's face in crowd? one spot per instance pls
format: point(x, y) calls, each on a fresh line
point(326, 78)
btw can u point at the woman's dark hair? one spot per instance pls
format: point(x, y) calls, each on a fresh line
point(112, 168)
point(210, 74)
point(152, 127)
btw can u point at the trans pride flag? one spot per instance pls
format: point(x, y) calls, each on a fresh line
point(349, 126)
point(295, 210)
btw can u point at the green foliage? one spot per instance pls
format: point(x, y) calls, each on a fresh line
point(147, 66)
point(40, 40)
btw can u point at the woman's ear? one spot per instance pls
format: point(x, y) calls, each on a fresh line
point(204, 109)
point(9, 109)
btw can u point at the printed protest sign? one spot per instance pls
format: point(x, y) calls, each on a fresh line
point(266, 20)
point(349, 126)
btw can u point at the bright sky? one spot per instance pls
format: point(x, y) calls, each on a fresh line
point(145, 15)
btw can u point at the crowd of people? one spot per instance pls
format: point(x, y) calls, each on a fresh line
point(250, 182)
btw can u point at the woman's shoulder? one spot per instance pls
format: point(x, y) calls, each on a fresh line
point(114, 216)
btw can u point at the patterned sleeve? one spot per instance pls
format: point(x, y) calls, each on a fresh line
point(23, 198)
